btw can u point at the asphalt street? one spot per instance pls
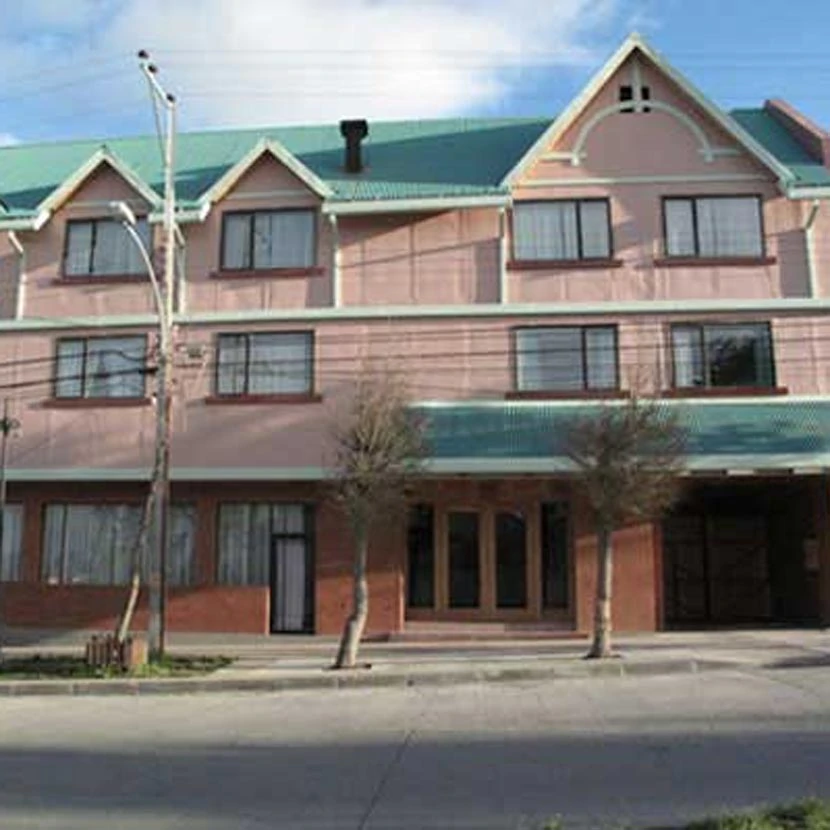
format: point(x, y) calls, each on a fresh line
point(600, 753)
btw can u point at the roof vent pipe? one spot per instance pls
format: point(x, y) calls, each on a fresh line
point(354, 132)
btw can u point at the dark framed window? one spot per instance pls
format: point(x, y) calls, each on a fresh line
point(265, 363)
point(713, 226)
point(101, 367)
point(421, 557)
point(570, 229)
point(511, 559)
point(566, 358)
point(464, 561)
point(718, 354)
point(556, 560)
point(103, 247)
point(247, 532)
point(627, 94)
point(266, 239)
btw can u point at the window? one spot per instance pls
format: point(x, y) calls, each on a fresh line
point(562, 230)
point(421, 559)
point(718, 226)
point(101, 367)
point(12, 535)
point(272, 363)
point(722, 355)
point(555, 556)
point(246, 533)
point(269, 239)
point(95, 544)
point(566, 358)
point(102, 247)
point(627, 94)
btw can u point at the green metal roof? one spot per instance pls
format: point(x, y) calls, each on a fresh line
point(442, 158)
point(529, 436)
point(774, 137)
point(404, 160)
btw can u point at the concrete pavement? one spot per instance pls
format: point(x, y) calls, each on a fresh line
point(284, 663)
point(634, 752)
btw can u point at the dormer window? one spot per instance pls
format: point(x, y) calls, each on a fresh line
point(627, 94)
point(103, 248)
point(269, 239)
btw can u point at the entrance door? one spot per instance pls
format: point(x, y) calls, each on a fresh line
point(464, 559)
point(716, 569)
point(292, 578)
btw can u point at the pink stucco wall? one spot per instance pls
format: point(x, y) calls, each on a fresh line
point(415, 259)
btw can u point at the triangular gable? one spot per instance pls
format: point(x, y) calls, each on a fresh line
point(103, 156)
point(635, 43)
point(265, 146)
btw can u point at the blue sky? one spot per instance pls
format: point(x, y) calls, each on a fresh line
point(69, 70)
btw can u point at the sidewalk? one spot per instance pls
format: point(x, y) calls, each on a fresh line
point(272, 664)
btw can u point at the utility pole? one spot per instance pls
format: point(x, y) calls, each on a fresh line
point(164, 373)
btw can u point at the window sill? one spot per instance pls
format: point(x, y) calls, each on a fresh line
point(297, 398)
point(710, 262)
point(102, 279)
point(726, 392)
point(576, 394)
point(266, 273)
point(93, 403)
point(561, 264)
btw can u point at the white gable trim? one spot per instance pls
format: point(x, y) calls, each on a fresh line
point(275, 149)
point(64, 192)
point(632, 44)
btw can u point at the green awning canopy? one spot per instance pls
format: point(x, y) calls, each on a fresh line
point(527, 437)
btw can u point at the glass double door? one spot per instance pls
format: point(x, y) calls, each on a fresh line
point(500, 561)
point(487, 559)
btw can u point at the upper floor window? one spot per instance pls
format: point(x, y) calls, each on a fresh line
point(710, 355)
point(264, 239)
point(562, 230)
point(100, 367)
point(266, 363)
point(566, 358)
point(102, 247)
point(713, 226)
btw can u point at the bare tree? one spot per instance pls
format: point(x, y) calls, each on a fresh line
point(628, 462)
point(379, 450)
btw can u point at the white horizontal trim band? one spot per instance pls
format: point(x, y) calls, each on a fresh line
point(667, 179)
point(799, 305)
point(405, 205)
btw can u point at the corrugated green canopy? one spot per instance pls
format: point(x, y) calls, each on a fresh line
point(529, 436)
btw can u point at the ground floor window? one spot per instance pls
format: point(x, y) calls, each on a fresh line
point(421, 552)
point(12, 535)
point(95, 544)
point(247, 533)
point(555, 560)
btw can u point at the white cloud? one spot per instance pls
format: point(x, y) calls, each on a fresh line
point(286, 61)
point(8, 140)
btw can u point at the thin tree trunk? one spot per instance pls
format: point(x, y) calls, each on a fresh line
point(356, 623)
point(601, 646)
point(139, 554)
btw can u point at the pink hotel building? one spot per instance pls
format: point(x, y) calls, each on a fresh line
point(517, 270)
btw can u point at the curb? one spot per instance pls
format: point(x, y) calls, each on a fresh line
point(358, 680)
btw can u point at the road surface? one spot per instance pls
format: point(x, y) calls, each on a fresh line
point(599, 753)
